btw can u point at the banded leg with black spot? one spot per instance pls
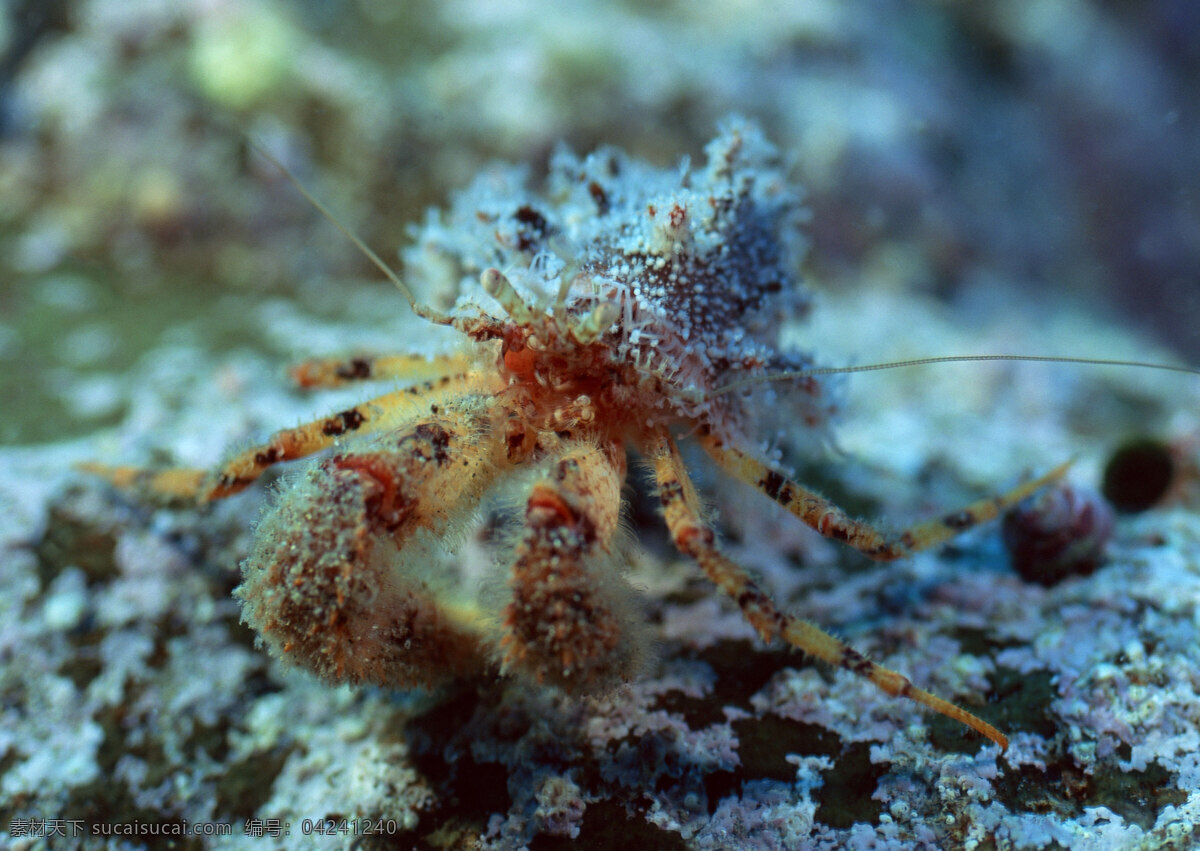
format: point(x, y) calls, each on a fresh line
point(695, 539)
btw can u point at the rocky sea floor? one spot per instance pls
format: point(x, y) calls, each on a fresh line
point(133, 695)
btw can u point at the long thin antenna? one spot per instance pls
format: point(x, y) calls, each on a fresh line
point(422, 310)
point(874, 367)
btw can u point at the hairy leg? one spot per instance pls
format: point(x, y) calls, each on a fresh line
point(694, 538)
point(568, 622)
point(236, 474)
point(832, 522)
point(337, 372)
point(330, 585)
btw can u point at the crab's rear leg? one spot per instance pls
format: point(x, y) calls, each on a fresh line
point(569, 622)
point(200, 485)
point(337, 372)
point(832, 522)
point(694, 538)
point(334, 584)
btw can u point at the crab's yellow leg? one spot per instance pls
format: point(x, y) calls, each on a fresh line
point(180, 484)
point(185, 484)
point(832, 522)
point(336, 372)
point(694, 538)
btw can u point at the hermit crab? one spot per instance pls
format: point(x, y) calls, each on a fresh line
point(617, 313)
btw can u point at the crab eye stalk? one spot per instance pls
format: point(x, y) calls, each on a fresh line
point(592, 325)
point(499, 287)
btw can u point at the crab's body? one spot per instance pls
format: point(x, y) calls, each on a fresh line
point(606, 314)
point(695, 271)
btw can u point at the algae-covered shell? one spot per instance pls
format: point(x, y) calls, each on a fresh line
point(1059, 533)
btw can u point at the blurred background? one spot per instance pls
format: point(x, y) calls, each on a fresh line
point(988, 155)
